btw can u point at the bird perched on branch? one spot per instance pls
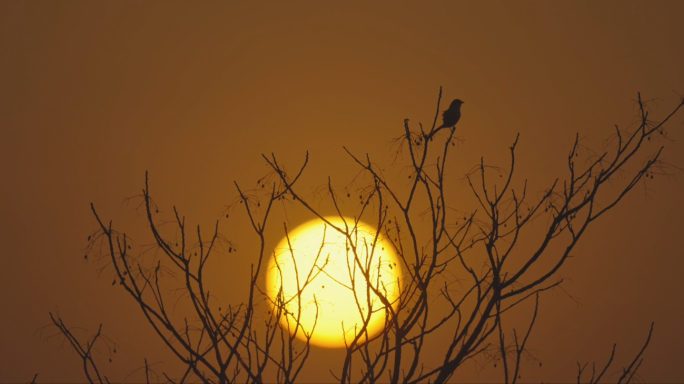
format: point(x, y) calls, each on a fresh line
point(451, 116)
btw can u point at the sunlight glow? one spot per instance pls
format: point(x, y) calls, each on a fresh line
point(332, 276)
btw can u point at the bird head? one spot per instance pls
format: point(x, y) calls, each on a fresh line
point(456, 103)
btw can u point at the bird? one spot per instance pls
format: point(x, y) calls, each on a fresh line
point(451, 116)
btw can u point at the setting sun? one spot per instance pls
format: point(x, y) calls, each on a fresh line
point(493, 186)
point(330, 271)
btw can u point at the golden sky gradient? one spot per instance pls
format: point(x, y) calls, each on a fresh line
point(94, 94)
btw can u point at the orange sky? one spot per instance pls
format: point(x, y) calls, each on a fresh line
point(94, 94)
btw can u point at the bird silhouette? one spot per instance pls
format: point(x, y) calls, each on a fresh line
point(451, 116)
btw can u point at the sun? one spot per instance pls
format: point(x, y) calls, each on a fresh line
point(344, 282)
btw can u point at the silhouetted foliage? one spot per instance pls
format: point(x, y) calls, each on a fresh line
point(435, 241)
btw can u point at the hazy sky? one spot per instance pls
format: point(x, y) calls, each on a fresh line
point(94, 94)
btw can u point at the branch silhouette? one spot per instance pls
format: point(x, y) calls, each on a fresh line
point(461, 272)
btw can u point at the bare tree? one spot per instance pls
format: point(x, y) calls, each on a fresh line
point(433, 240)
